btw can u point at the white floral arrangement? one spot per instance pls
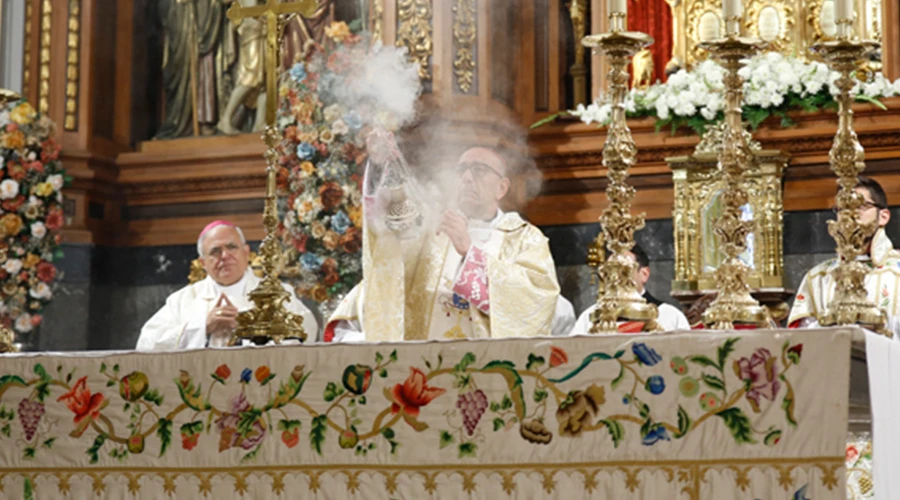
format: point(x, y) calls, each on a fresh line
point(773, 86)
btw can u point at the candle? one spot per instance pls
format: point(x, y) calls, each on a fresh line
point(843, 10)
point(732, 9)
point(618, 7)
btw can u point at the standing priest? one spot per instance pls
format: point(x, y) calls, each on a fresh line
point(478, 272)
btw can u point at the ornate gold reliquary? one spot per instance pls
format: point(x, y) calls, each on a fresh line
point(698, 187)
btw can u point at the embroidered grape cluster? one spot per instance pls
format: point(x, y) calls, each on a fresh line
point(472, 406)
point(30, 413)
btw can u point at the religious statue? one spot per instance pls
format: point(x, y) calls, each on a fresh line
point(249, 89)
point(643, 69)
point(299, 30)
point(198, 52)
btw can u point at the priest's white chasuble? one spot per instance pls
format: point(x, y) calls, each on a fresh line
point(421, 288)
point(882, 284)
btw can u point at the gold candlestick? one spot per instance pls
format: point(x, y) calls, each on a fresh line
point(269, 320)
point(850, 304)
point(617, 296)
point(733, 302)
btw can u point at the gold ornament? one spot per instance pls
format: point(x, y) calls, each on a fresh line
point(850, 304)
point(617, 296)
point(733, 302)
point(269, 320)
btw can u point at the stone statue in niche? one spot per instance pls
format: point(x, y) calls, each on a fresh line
point(197, 57)
point(643, 69)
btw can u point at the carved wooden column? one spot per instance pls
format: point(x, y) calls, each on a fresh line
point(77, 61)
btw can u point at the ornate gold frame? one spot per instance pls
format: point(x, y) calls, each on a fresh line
point(786, 38)
point(693, 11)
point(696, 182)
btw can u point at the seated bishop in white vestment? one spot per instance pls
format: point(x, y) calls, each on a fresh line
point(205, 313)
point(882, 281)
point(483, 273)
point(670, 318)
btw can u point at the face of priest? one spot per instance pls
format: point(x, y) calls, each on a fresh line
point(871, 210)
point(641, 274)
point(482, 183)
point(225, 256)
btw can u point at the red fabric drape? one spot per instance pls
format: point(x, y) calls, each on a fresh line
point(654, 17)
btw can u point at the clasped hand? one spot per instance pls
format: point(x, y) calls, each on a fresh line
point(456, 227)
point(221, 320)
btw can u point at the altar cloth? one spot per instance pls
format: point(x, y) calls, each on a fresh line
point(694, 415)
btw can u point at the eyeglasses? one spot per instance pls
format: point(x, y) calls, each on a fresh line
point(866, 204)
point(217, 252)
point(479, 170)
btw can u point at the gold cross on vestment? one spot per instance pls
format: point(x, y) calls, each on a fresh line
point(271, 10)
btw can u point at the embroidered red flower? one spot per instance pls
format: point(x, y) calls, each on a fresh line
point(223, 372)
point(81, 401)
point(558, 356)
point(262, 373)
point(189, 442)
point(414, 393)
point(290, 438)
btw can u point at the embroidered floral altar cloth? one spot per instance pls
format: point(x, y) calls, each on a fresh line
point(750, 415)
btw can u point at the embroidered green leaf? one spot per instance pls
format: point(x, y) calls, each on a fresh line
point(495, 406)
point(725, 350)
point(252, 455)
point(317, 432)
point(645, 409)
point(247, 420)
point(5, 430)
point(49, 443)
point(165, 435)
point(506, 403)
point(110, 383)
point(793, 354)
point(332, 391)
point(788, 403)
point(42, 390)
point(619, 354)
point(446, 439)
point(467, 449)
point(534, 362)
point(41, 372)
point(94, 450)
point(508, 366)
point(738, 423)
point(388, 433)
point(192, 428)
point(378, 358)
point(382, 373)
point(28, 493)
point(464, 363)
point(539, 395)
point(619, 378)
point(616, 432)
point(713, 382)
point(153, 396)
point(772, 437)
point(703, 361)
point(362, 400)
point(684, 422)
point(28, 453)
point(499, 424)
point(102, 368)
point(393, 356)
point(11, 379)
point(116, 368)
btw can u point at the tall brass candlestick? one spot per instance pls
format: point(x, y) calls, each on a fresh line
point(617, 296)
point(850, 304)
point(733, 301)
point(269, 320)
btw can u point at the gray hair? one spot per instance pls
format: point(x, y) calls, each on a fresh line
point(203, 235)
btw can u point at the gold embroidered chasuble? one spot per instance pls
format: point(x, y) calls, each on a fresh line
point(412, 287)
point(882, 283)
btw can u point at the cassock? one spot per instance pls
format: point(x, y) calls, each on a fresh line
point(669, 319)
point(421, 288)
point(882, 284)
point(181, 323)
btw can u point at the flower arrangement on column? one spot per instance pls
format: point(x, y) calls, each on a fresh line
point(31, 214)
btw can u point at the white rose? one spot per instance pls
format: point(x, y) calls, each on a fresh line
point(9, 188)
point(41, 291)
point(339, 127)
point(38, 230)
point(56, 180)
point(12, 266)
point(23, 323)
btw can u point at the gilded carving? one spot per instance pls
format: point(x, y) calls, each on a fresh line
point(464, 35)
point(759, 19)
point(73, 42)
point(26, 73)
point(44, 74)
point(578, 15)
point(377, 19)
point(414, 31)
